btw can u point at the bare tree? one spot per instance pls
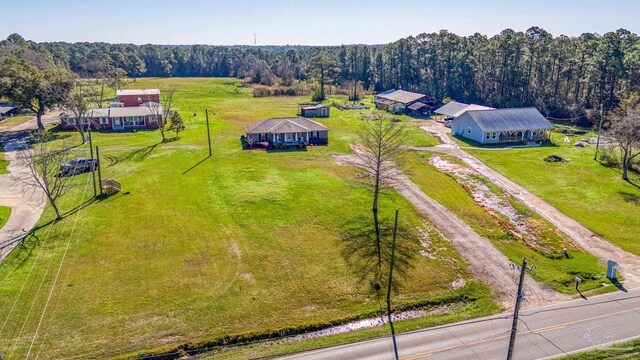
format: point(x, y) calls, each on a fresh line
point(44, 162)
point(250, 139)
point(77, 105)
point(163, 110)
point(625, 129)
point(381, 146)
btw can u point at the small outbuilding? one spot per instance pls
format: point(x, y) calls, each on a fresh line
point(502, 125)
point(288, 131)
point(400, 101)
point(314, 110)
point(8, 110)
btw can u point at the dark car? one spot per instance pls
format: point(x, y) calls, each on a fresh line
point(78, 166)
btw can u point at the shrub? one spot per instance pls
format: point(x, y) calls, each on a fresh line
point(608, 156)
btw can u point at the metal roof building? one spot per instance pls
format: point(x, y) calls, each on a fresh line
point(502, 125)
point(454, 109)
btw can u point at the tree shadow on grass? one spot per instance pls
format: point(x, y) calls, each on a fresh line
point(360, 251)
point(633, 199)
point(139, 154)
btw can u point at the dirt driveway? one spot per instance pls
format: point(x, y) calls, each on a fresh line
point(629, 264)
point(486, 262)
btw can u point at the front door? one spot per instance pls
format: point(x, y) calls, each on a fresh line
point(117, 124)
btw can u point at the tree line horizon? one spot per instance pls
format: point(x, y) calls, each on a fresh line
point(565, 77)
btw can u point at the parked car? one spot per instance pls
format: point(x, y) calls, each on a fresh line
point(78, 166)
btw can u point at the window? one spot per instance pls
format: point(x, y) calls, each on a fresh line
point(134, 121)
point(153, 118)
point(493, 136)
point(71, 121)
point(104, 121)
point(469, 130)
point(85, 121)
point(487, 136)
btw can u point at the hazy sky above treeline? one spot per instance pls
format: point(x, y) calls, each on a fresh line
point(321, 22)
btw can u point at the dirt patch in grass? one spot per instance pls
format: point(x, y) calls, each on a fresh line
point(511, 214)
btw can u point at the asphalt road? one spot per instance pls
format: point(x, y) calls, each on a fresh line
point(543, 332)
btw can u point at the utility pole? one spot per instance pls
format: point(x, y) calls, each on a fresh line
point(93, 170)
point(516, 311)
point(99, 169)
point(595, 156)
point(393, 250)
point(206, 112)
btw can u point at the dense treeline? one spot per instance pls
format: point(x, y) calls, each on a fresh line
point(561, 76)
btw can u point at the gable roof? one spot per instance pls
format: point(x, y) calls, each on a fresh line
point(455, 109)
point(6, 109)
point(513, 119)
point(284, 125)
point(401, 96)
point(137, 92)
point(120, 112)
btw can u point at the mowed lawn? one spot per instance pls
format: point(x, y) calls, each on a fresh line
point(5, 212)
point(194, 249)
point(3, 165)
point(582, 188)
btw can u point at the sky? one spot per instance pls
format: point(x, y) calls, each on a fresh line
point(301, 22)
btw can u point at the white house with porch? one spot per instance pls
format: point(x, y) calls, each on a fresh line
point(288, 131)
point(502, 125)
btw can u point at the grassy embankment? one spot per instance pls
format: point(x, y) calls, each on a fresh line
point(582, 188)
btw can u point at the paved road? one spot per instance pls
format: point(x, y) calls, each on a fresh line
point(26, 201)
point(543, 332)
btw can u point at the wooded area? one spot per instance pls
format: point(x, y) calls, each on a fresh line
point(562, 76)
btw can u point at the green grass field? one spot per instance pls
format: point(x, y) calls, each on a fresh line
point(582, 188)
point(556, 271)
point(5, 212)
point(197, 249)
point(3, 165)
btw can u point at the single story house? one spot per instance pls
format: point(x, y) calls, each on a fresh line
point(454, 109)
point(502, 125)
point(311, 110)
point(399, 101)
point(117, 118)
point(8, 110)
point(288, 131)
point(136, 97)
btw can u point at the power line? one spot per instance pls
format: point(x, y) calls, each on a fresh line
point(55, 281)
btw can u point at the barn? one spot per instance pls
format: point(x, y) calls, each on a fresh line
point(502, 126)
point(401, 101)
point(8, 110)
point(136, 97)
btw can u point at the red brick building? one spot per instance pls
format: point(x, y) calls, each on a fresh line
point(117, 118)
point(136, 97)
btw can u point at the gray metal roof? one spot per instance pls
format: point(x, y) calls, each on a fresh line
point(417, 106)
point(284, 125)
point(514, 119)
point(313, 107)
point(6, 109)
point(456, 109)
point(401, 96)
